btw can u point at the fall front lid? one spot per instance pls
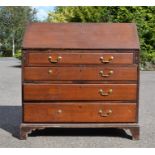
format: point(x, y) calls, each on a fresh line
point(81, 36)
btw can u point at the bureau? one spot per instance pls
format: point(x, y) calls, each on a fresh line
point(78, 75)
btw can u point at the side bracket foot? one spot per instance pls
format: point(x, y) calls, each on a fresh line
point(135, 131)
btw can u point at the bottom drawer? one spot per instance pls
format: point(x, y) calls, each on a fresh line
point(79, 112)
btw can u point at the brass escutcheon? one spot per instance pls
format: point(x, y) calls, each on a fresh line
point(50, 71)
point(59, 111)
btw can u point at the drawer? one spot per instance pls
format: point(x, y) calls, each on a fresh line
point(80, 73)
point(48, 59)
point(79, 92)
point(79, 112)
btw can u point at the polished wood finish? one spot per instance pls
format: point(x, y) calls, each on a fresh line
point(75, 58)
point(80, 73)
point(80, 76)
point(46, 92)
point(79, 112)
point(81, 36)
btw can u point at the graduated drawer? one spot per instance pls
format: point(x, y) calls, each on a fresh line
point(79, 112)
point(80, 73)
point(48, 59)
point(47, 92)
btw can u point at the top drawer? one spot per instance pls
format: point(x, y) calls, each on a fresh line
point(52, 59)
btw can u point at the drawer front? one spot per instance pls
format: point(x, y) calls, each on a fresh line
point(80, 73)
point(48, 59)
point(80, 92)
point(80, 112)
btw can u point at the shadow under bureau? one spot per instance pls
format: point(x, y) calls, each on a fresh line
point(78, 75)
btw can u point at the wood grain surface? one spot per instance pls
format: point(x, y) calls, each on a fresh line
point(80, 73)
point(79, 112)
point(47, 92)
point(75, 58)
point(81, 36)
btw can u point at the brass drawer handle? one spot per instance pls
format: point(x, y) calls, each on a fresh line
point(106, 61)
point(106, 75)
point(103, 113)
point(102, 93)
point(54, 61)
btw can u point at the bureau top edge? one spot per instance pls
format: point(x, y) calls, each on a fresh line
point(77, 50)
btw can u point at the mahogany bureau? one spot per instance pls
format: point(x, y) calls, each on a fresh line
point(78, 75)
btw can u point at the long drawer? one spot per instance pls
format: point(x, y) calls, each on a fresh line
point(50, 59)
point(80, 112)
point(46, 92)
point(80, 73)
